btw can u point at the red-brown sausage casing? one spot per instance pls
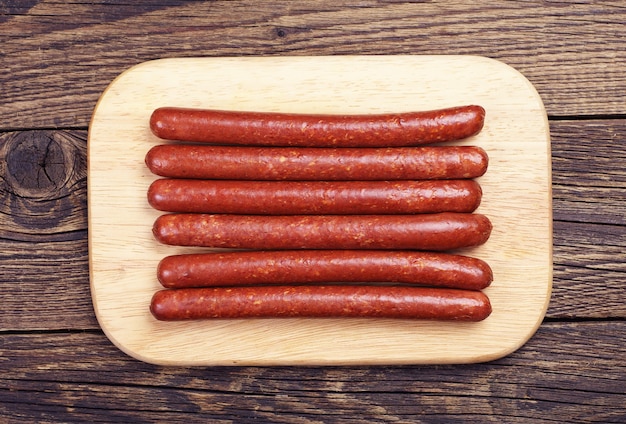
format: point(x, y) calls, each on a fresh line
point(437, 232)
point(309, 163)
point(320, 302)
point(240, 268)
point(289, 129)
point(314, 197)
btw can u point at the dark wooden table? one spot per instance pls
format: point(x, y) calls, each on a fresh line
point(58, 366)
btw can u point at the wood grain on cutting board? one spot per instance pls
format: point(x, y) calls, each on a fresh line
point(517, 199)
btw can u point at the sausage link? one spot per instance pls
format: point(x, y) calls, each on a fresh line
point(438, 232)
point(288, 129)
point(323, 266)
point(320, 302)
point(314, 197)
point(325, 164)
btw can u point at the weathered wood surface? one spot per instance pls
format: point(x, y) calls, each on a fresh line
point(60, 56)
point(569, 372)
point(56, 364)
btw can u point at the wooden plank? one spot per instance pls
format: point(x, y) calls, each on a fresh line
point(588, 187)
point(568, 372)
point(587, 171)
point(571, 51)
point(45, 285)
point(590, 271)
point(44, 267)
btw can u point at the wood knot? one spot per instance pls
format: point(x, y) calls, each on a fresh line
point(288, 32)
point(36, 165)
point(42, 174)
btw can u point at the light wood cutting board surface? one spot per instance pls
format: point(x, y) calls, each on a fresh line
point(517, 199)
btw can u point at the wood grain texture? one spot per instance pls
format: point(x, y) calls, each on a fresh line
point(43, 184)
point(59, 59)
point(588, 169)
point(57, 366)
point(589, 188)
point(81, 377)
point(43, 230)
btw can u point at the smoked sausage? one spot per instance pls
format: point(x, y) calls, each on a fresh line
point(320, 302)
point(306, 164)
point(241, 268)
point(314, 197)
point(437, 232)
point(289, 129)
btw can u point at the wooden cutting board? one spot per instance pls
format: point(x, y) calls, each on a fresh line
point(517, 198)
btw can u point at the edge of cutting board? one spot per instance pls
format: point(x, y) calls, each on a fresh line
point(517, 198)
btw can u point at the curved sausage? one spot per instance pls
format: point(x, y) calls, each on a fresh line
point(326, 164)
point(438, 232)
point(289, 129)
point(320, 302)
point(323, 266)
point(314, 197)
